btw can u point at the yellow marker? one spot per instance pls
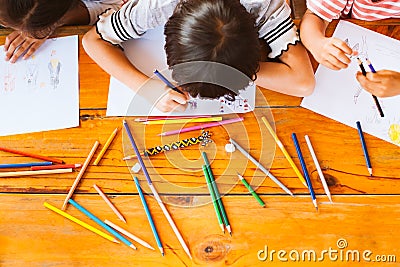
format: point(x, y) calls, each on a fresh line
point(83, 224)
point(287, 156)
point(183, 120)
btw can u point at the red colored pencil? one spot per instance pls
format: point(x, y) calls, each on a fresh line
point(58, 166)
point(31, 155)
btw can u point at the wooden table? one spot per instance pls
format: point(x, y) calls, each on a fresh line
point(363, 216)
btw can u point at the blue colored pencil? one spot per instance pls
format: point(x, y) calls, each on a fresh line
point(305, 172)
point(168, 83)
point(148, 214)
point(378, 105)
point(101, 223)
point(364, 147)
point(27, 164)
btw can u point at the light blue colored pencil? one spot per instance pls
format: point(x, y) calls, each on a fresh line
point(101, 223)
point(27, 164)
point(148, 214)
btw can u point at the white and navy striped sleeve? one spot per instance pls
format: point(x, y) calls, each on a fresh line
point(274, 24)
point(96, 7)
point(134, 19)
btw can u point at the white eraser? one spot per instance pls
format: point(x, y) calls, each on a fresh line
point(136, 168)
point(230, 148)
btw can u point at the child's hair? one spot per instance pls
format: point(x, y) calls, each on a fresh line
point(214, 31)
point(38, 18)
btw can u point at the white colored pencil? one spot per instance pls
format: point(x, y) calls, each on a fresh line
point(41, 172)
point(128, 234)
point(320, 173)
point(80, 174)
point(261, 167)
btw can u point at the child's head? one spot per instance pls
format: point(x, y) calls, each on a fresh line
point(38, 18)
point(212, 30)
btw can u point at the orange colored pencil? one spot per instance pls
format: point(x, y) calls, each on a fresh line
point(31, 155)
point(80, 174)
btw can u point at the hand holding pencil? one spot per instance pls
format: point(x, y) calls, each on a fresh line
point(383, 83)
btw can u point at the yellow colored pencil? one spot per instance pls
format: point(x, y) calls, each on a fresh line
point(106, 145)
point(81, 223)
point(287, 156)
point(183, 120)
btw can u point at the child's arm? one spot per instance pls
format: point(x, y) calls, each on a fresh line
point(330, 52)
point(383, 83)
point(112, 59)
point(293, 75)
point(17, 43)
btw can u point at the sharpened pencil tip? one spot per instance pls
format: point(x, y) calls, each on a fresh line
point(162, 253)
point(133, 246)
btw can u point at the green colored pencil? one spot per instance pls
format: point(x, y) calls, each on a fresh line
point(251, 190)
point(217, 194)
point(214, 201)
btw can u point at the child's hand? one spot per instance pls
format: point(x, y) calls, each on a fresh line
point(172, 101)
point(18, 43)
point(332, 53)
point(383, 83)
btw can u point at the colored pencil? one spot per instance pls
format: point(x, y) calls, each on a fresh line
point(192, 120)
point(27, 164)
point(105, 147)
point(109, 203)
point(31, 155)
point(128, 234)
point(155, 193)
point(168, 83)
point(378, 105)
point(148, 215)
point(251, 190)
point(284, 151)
point(216, 193)
point(101, 223)
point(202, 126)
point(57, 166)
point(320, 173)
point(305, 171)
point(261, 167)
point(144, 119)
point(81, 223)
point(27, 173)
point(213, 199)
point(80, 174)
point(364, 147)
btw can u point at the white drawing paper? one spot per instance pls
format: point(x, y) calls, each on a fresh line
point(148, 54)
point(42, 92)
point(339, 96)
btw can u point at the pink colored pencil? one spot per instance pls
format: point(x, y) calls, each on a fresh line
point(58, 166)
point(171, 118)
point(109, 203)
point(202, 126)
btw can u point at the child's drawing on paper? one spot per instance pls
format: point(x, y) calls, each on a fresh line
point(237, 105)
point(54, 68)
point(361, 52)
point(9, 78)
point(394, 133)
point(31, 72)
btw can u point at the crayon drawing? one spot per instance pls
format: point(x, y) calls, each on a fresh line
point(339, 96)
point(28, 86)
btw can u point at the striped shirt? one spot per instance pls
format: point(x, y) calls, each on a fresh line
point(357, 9)
point(137, 16)
point(96, 7)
